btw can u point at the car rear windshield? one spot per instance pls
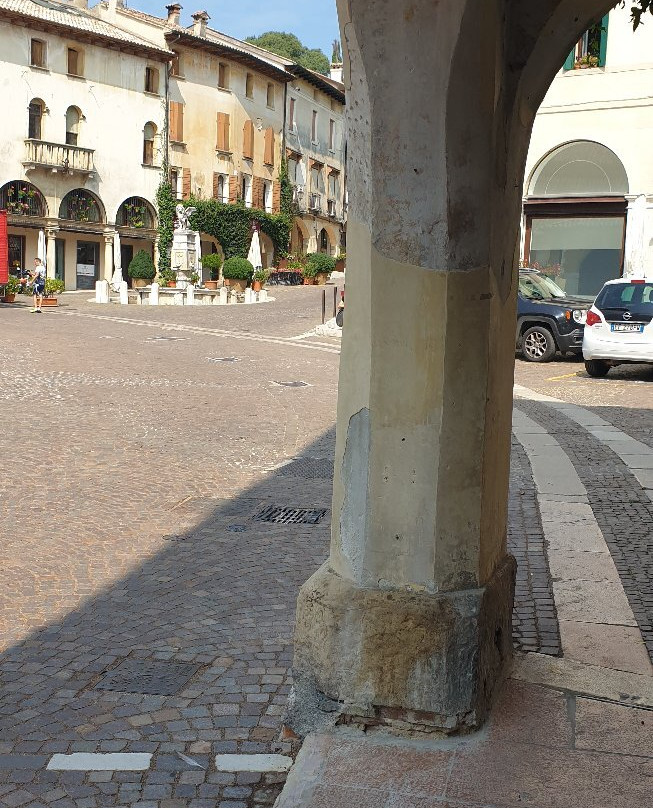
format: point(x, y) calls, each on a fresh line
point(624, 295)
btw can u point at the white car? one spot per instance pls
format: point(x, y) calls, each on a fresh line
point(619, 326)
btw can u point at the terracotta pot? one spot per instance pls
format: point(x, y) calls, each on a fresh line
point(321, 278)
point(9, 298)
point(50, 301)
point(340, 265)
point(238, 284)
point(171, 284)
point(210, 284)
point(139, 283)
point(257, 286)
point(309, 281)
point(283, 263)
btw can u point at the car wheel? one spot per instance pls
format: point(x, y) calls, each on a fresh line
point(597, 367)
point(538, 344)
point(340, 316)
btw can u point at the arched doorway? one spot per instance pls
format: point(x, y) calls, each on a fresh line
point(136, 223)
point(26, 208)
point(323, 242)
point(267, 250)
point(575, 216)
point(81, 213)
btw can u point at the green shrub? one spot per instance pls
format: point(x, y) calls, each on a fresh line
point(213, 262)
point(166, 276)
point(141, 266)
point(238, 269)
point(53, 286)
point(319, 262)
point(13, 286)
point(261, 275)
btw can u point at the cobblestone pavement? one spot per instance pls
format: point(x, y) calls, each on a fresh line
point(622, 508)
point(141, 444)
point(535, 623)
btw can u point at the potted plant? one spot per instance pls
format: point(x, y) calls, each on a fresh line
point(194, 278)
point(319, 266)
point(340, 262)
point(11, 289)
point(259, 279)
point(586, 61)
point(212, 262)
point(53, 287)
point(167, 277)
point(238, 271)
point(141, 269)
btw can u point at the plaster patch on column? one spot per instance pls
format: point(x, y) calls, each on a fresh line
point(354, 475)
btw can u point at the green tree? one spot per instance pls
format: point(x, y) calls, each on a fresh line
point(289, 46)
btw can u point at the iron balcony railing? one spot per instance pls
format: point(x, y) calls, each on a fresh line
point(58, 156)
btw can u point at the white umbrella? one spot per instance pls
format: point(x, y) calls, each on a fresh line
point(198, 254)
point(116, 279)
point(254, 255)
point(41, 248)
point(635, 250)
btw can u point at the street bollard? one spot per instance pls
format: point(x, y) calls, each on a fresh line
point(323, 305)
point(335, 300)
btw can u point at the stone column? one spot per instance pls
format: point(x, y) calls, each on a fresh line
point(409, 620)
point(50, 251)
point(107, 270)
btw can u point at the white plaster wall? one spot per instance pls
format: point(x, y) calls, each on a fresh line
point(115, 110)
point(611, 105)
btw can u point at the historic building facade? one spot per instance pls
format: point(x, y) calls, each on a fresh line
point(588, 195)
point(87, 134)
point(69, 167)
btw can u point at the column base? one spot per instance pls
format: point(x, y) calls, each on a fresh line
point(412, 661)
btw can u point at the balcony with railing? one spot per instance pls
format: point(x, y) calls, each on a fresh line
point(58, 157)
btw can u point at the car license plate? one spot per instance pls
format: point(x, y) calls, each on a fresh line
point(633, 327)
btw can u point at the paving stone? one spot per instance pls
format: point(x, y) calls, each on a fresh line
point(86, 761)
point(253, 763)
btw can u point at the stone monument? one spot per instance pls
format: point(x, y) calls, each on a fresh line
point(183, 257)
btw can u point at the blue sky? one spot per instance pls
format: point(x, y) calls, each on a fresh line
point(314, 21)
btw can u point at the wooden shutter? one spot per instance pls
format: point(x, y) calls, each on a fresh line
point(257, 192)
point(248, 140)
point(276, 196)
point(223, 132)
point(234, 188)
point(216, 181)
point(176, 121)
point(185, 183)
point(603, 45)
point(269, 147)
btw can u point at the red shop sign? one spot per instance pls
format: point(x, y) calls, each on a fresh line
point(4, 248)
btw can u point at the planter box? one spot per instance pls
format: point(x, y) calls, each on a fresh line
point(50, 301)
point(321, 278)
point(238, 284)
point(210, 284)
point(9, 298)
point(139, 283)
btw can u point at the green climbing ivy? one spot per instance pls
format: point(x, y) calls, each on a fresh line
point(288, 206)
point(231, 226)
point(165, 205)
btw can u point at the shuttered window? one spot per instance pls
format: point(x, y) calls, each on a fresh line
point(151, 80)
point(268, 158)
point(222, 143)
point(74, 62)
point(176, 122)
point(248, 140)
point(37, 53)
point(185, 183)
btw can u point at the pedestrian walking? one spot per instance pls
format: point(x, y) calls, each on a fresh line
point(38, 285)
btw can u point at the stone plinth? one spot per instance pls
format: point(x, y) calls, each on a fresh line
point(183, 256)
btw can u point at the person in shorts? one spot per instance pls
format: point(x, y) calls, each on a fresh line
point(38, 285)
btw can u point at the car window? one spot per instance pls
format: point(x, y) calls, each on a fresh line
point(538, 287)
point(619, 295)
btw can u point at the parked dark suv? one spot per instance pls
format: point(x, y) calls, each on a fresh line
point(548, 320)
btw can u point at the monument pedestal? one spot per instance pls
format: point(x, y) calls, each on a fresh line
point(183, 257)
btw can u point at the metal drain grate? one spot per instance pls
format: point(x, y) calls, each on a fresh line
point(291, 516)
point(150, 678)
point(292, 384)
point(310, 468)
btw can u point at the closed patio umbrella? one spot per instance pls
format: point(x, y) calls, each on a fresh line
point(254, 255)
point(41, 248)
point(198, 254)
point(116, 279)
